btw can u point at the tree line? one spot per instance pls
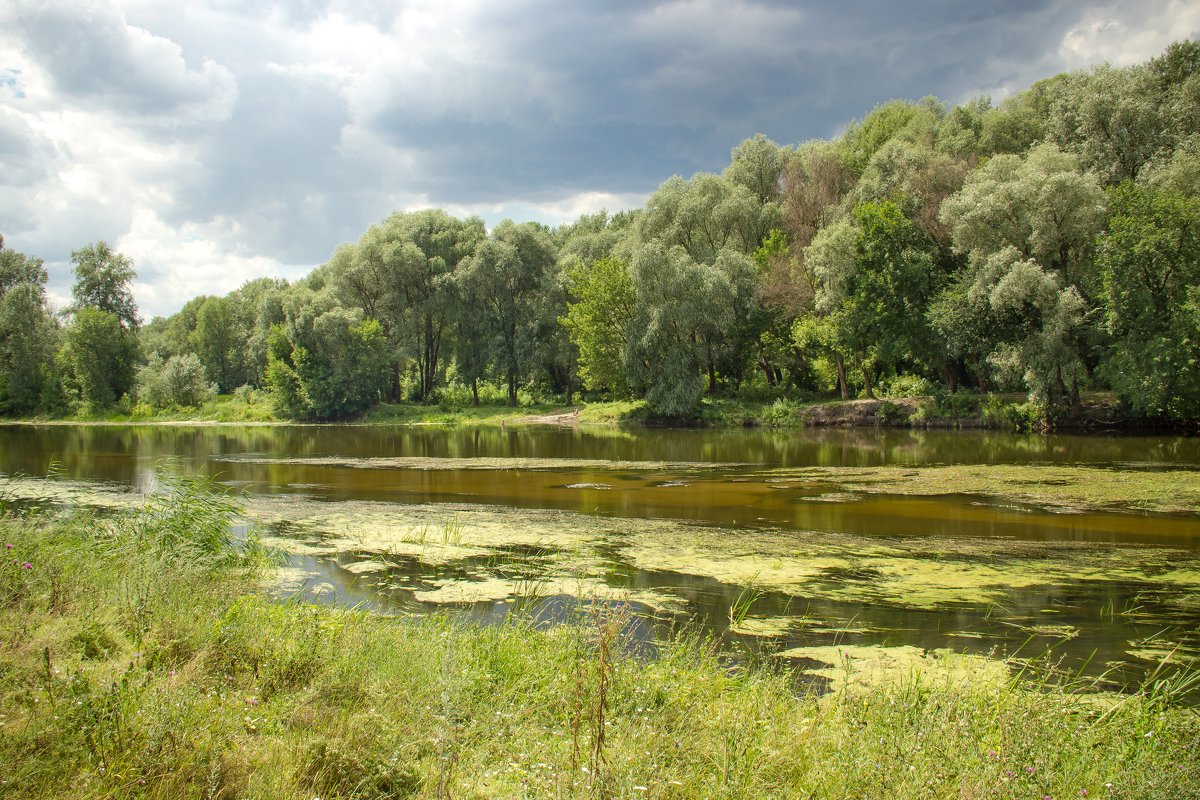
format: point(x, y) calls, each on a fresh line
point(1048, 244)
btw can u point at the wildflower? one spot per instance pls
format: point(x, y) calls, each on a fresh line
point(27, 565)
point(1030, 770)
point(8, 546)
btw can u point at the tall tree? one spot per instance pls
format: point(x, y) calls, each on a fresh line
point(103, 280)
point(501, 283)
point(401, 273)
point(100, 356)
point(1149, 259)
point(677, 299)
point(874, 271)
point(326, 361)
point(28, 335)
point(599, 319)
point(219, 340)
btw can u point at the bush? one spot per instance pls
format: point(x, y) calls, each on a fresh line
point(180, 381)
point(956, 405)
point(782, 414)
point(1014, 416)
point(906, 386)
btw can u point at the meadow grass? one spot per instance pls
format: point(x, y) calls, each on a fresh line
point(140, 657)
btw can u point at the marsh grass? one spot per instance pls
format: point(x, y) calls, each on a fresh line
point(140, 658)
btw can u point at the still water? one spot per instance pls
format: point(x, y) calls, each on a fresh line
point(694, 528)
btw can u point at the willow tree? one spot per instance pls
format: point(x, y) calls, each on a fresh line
point(401, 273)
point(500, 286)
point(1037, 218)
point(677, 300)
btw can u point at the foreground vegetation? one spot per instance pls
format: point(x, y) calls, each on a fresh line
point(1049, 246)
point(140, 658)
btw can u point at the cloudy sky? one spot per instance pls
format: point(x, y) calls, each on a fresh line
point(216, 140)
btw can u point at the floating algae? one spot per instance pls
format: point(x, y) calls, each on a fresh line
point(1052, 486)
point(867, 667)
point(926, 590)
point(763, 626)
point(496, 463)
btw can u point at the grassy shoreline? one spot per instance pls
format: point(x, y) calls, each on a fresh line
point(141, 659)
point(962, 411)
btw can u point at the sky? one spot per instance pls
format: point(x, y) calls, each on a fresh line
point(216, 141)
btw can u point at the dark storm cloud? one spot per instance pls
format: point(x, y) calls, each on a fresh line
point(95, 58)
point(638, 94)
point(270, 132)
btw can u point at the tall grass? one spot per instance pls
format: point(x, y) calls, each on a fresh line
point(140, 658)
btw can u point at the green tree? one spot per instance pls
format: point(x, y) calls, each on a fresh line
point(103, 280)
point(677, 300)
point(401, 273)
point(100, 357)
point(219, 340)
point(1036, 218)
point(1149, 259)
point(501, 283)
point(757, 164)
point(28, 335)
point(599, 320)
point(178, 381)
point(874, 272)
point(326, 361)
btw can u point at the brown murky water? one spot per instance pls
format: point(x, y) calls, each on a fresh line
point(697, 527)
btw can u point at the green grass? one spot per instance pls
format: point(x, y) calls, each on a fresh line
point(223, 408)
point(450, 415)
point(140, 658)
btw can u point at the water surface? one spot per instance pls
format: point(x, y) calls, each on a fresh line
point(692, 528)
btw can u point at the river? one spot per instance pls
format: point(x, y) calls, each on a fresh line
point(747, 536)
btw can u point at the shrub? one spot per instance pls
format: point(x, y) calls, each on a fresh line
point(180, 381)
point(906, 386)
point(956, 405)
point(1014, 416)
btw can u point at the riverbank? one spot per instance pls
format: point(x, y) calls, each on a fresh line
point(142, 660)
point(964, 410)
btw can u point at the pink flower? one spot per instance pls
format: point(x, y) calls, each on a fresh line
point(27, 565)
point(8, 547)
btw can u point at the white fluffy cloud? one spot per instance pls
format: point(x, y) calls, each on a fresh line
point(217, 141)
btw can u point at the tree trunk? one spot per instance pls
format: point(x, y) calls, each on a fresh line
point(512, 387)
point(951, 378)
point(841, 372)
point(768, 371)
point(393, 392)
point(974, 359)
point(475, 391)
point(869, 378)
point(712, 368)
